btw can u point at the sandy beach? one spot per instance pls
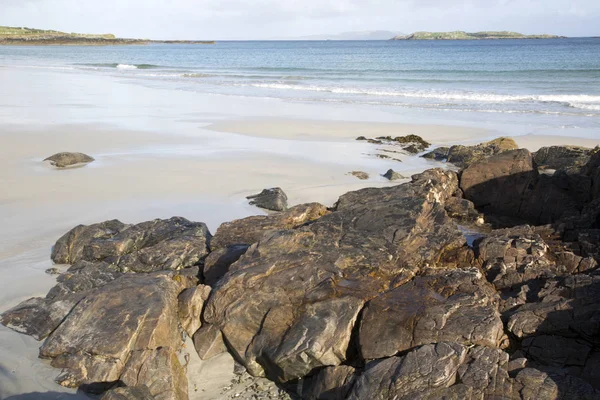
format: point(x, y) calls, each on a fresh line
point(189, 155)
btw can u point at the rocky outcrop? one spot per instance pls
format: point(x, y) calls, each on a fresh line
point(191, 303)
point(208, 342)
point(290, 304)
point(129, 393)
point(463, 156)
point(157, 245)
point(412, 144)
point(67, 160)
point(273, 199)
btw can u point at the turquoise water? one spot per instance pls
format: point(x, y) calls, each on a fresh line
point(551, 82)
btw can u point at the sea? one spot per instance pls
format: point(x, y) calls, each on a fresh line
point(552, 85)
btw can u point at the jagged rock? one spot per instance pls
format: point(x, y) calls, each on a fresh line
point(557, 157)
point(289, 305)
point(252, 229)
point(393, 175)
point(208, 342)
point(437, 154)
point(53, 271)
point(425, 369)
point(463, 156)
point(499, 184)
point(360, 175)
point(463, 210)
point(270, 199)
point(65, 160)
point(331, 383)
point(413, 143)
point(158, 369)
point(69, 248)
point(129, 393)
point(556, 350)
point(191, 303)
point(412, 314)
point(138, 313)
point(169, 244)
point(217, 263)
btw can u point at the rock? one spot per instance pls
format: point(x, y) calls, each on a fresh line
point(411, 314)
point(53, 271)
point(168, 244)
point(129, 393)
point(217, 264)
point(331, 383)
point(65, 160)
point(501, 184)
point(361, 138)
point(393, 175)
point(191, 303)
point(160, 371)
point(270, 199)
point(416, 144)
point(556, 350)
point(250, 230)
point(360, 175)
point(463, 210)
point(208, 342)
point(139, 313)
point(558, 157)
point(290, 304)
point(437, 154)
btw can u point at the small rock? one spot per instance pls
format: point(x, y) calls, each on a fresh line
point(53, 271)
point(393, 175)
point(360, 175)
point(270, 199)
point(65, 160)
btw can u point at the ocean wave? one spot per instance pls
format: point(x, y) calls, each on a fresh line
point(470, 96)
point(592, 107)
point(121, 65)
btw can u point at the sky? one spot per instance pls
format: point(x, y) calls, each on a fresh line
point(277, 19)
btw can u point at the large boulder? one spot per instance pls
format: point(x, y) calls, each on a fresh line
point(412, 314)
point(129, 393)
point(290, 304)
point(67, 160)
point(162, 244)
point(273, 199)
point(191, 304)
point(557, 157)
point(501, 183)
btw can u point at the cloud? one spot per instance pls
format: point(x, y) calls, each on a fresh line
point(231, 19)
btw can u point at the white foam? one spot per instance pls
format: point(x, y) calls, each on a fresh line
point(126, 66)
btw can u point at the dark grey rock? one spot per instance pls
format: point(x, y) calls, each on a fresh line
point(270, 199)
point(129, 393)
point(557, 157)
point(393, 175)
point(65, 160)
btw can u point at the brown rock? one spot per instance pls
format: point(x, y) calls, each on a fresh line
point(208, 342)
point(191, 303)
point(66, 160)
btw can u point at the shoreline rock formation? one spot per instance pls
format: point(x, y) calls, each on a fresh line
point(382, 296)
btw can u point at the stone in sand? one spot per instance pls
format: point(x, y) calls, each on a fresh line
point(360, 175)
point(64, 160)
point(393, 175)
point(273, 199)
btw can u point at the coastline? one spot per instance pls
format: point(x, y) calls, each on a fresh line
point(156, 160)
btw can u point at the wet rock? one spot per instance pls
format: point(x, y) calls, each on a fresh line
point(289, 305)
point(169, 244)
point(66, 160)
point(191, 303)
point(557, 157)
point(208, 342)
point(411, 314)
point(159, 370)
point(250, 230)
point(360, 175)
point(129, 393)
point(393, 175)
point(139, 313)
point(53, 271)
point(411, 143)
point(438, 154)
point(499, 184)
point(270, 199)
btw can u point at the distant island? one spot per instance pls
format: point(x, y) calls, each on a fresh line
point(460, 35)
point(28, 36)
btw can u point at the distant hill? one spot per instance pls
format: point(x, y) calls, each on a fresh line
point(362, 35)
point(460, 35)
point(28, 36)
